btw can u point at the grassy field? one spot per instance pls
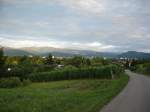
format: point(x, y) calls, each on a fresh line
point(61, 96)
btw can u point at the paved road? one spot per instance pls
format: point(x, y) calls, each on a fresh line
point(134, 98)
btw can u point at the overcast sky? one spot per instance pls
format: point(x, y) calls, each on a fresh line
point(101, 25)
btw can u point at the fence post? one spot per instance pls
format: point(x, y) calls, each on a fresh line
point(112, 75)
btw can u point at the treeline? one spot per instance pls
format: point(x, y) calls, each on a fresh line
point(20, 70)
point(141, 66)
point(23, 66)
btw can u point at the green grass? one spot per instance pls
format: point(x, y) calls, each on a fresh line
point(61, 96)
point(147, 74)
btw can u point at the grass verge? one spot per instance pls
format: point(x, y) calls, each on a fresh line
point(61, 96)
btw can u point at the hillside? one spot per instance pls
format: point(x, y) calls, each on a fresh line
point(66, 52)
point(15, 52)
point(44, 51)
point(134, 54)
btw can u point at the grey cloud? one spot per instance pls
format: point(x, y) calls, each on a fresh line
point(122, 23)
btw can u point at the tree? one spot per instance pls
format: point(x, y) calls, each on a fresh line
point(25, 61)
point(36, 60)
point(76, 61)
point(49, 60)
point(2, 62)
point(88, 62)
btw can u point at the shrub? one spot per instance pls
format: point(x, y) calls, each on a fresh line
point(10, 82)
point(143, 68)
point(43, 68)
point(69, 67)
point(104, 72)
point(26, 82)
point(20, 71)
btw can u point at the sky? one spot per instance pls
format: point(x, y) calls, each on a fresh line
point(100, 25)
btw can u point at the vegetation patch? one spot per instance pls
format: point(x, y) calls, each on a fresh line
point(141, 66)
point(10, 82)
point(105, 72)
point(88, 95)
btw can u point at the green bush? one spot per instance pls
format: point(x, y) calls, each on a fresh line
point(10, 82)
point(26, 82)
point(23, 72)
point(104, 72)
point(20, 71)
point(69, 67)
point(143, 68)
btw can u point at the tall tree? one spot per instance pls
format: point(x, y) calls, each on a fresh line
point(88, 62)
point(49, 60)
point(2, 62)
point(76, 61)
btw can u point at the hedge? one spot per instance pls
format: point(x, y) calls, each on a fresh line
point(10, 82)
point(105, 72)
point(143, 68)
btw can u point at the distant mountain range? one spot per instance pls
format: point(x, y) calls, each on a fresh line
point(15, 52)
point(44, 51)
point(134, 54)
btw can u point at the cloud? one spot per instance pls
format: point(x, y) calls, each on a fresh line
point(96, 46)
point(81, 24)
point(92, 6)
point(32, 42)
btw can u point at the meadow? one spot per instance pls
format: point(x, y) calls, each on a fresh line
point(88, 95)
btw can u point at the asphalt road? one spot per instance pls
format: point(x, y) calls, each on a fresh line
point(134, 98)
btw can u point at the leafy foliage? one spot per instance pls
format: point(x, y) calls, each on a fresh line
point(49, 60)
point(71, 68)
point(10, 82)
point(26, 82)
point(141, 66)
point(105, 72)
point(2, 63)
